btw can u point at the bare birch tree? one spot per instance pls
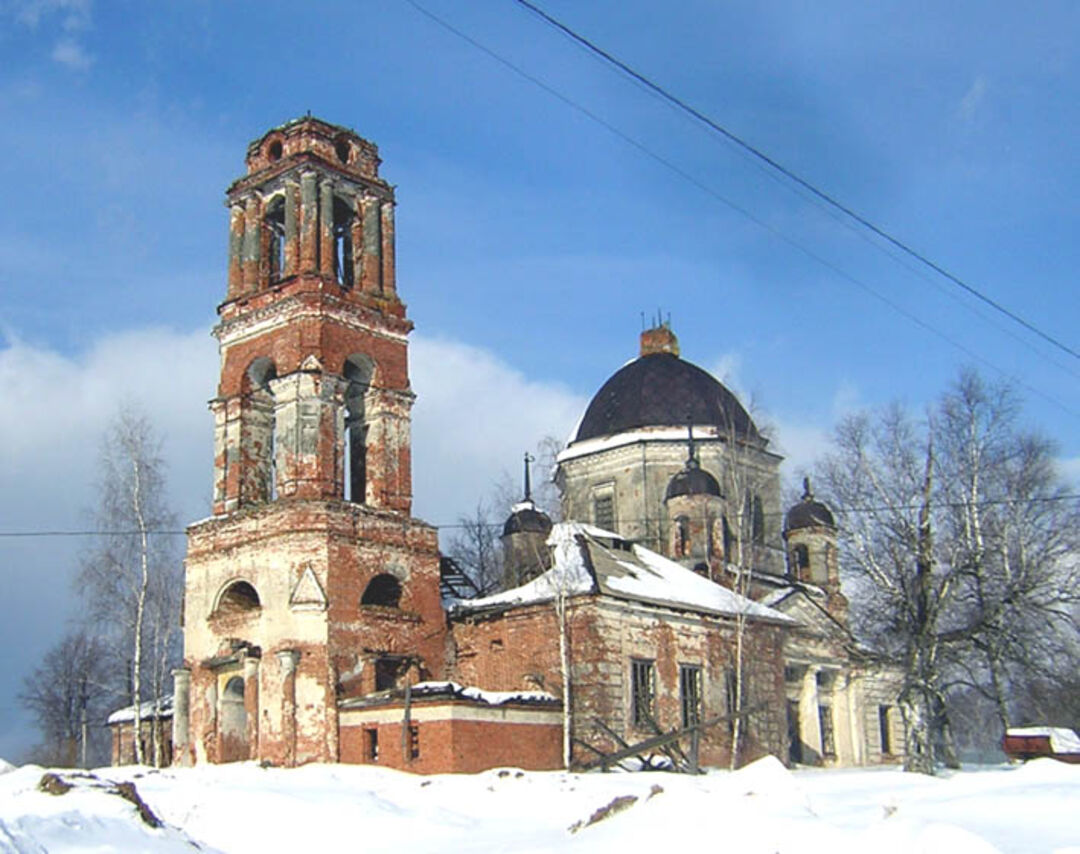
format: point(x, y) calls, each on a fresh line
point(955, 535)
point(131, 578)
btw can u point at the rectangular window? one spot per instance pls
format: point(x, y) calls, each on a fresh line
point(414, 742)
point(604, 511)
point(883, 727)
point(371, 744)
point(690, 693)
point(643, 687)
point(828, 742)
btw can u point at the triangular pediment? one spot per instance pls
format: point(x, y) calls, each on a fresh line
point(311, 364)
point(308, 594)
point(811, 614)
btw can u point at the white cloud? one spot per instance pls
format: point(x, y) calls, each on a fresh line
point(474, 417)
point(973, 99)
point(1069, 469)
point(72, 54)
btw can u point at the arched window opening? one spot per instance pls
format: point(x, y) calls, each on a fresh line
point(260, 439)
point(756, 519)
point(819, 572)
point(274, 223)
point(358, 371)
point(341, 148)
point(273, 151)
point(343, 243)
point(729, 541)
point(238, 598)
point(234, 689)
point(702, 569)
point(384, 590)
point(682, 536)
point(800, 560)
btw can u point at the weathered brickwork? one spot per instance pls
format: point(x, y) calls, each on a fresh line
point(520, 650)
point(310, 583)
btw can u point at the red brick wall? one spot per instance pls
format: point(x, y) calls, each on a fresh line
point(461, 746)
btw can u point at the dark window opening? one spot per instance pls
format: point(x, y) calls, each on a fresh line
point(604, 512)
point(828, 740)
point(238, 598)
point(388, 671)
point(234, 689)
point(757, 522)
point(358, 371)
point(274, 223)
point(702, 569)
point(384, 590)
point(682, 536)
point(414, 742)
point(341, 148)
point(260, 428)
point(800, 560)
point(273, 151)
point(371, 744)
point(883, 727)
point(343, 243)
point(795, 747)
point(643, 688)
point(729, 541)
point(690, 693)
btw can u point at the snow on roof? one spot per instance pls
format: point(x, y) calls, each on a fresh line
point(644, 434)
point(492, 698)
point(163, 708)
point(590, 560)
point(1062, 739)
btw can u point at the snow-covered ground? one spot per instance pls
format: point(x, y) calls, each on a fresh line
point(762, 808)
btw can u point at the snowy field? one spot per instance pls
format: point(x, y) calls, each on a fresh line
point(762, 808)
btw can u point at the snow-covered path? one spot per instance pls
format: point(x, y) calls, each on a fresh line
point(1031, 809)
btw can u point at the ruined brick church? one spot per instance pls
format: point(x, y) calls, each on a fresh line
point(321, 623)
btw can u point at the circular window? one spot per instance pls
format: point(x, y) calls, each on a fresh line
point(274, 150)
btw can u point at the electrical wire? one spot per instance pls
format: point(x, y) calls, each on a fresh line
point(774, 164)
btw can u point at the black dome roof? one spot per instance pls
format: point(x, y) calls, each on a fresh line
point(527, 519)
point(809, 512)
point(692, 480)
point(662, 390)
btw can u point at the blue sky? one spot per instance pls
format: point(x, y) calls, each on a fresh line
point(530, 237)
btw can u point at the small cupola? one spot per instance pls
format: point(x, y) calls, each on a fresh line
point(692, 479)
point(524, 538)
point(809, 512)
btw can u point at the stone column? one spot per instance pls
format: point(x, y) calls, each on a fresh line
point(251, 704)
point(236, 250)
point(181, 716)
point(210, 743)
point(251, 245)
point(287, 660)
point(326, 228)
point(292, 232)
point(371, 269)
point(309, 224)
point(809, 725)
point(388, 281)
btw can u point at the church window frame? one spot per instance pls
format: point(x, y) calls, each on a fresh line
point(383, 591)
point(238, 596)
point(642, 691)
point(274, 227)
point(690, 694)
point(604, 510)
point(343, 218)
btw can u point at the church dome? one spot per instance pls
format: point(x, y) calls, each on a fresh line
point(809, 512)
point(692, 480)
point(661, 390)
point(525, 518)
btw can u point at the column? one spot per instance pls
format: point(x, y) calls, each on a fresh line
point(371, 269)
point(251, 704)
point(809, 725)
point(181, 729)
point(387, 224)
point(287, 660)
point(292, 232)
point(309, 224)
point(236, 250)
point(326, 228)
point(251, 245)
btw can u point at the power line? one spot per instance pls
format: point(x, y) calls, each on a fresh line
point(829, 199)
point(718, 196)
point(870, 508)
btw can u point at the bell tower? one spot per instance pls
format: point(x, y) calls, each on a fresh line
point(311, 576)
point(314, 395)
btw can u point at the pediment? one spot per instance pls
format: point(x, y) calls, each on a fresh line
point(308, 594)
